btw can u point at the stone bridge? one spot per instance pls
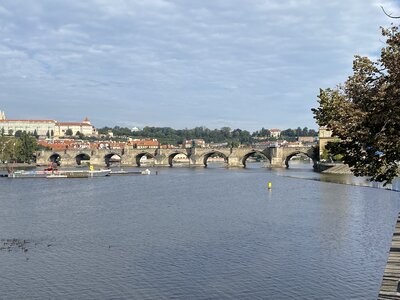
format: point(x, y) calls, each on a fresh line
point(233, 157)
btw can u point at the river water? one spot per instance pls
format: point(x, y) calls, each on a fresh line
point(195, 233)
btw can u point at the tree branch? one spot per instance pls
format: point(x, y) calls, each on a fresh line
point(390, 16)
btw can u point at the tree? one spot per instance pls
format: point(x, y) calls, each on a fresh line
point(18, 133)
point(7, 148)
point(69, 132)
point(79, 134)
point(365, 113)
point(25, 146)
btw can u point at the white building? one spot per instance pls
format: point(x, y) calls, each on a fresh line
point(45, 127)
point(39, 127)
point(275, 132)
point(83, 127)
point(135, 129)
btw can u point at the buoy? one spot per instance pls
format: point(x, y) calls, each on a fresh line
point(269, 185)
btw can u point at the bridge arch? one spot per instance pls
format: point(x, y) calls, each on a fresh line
point(295, 153)
point(173, 155)
point(55, 158)
point(112, 158)
point(214, 153)
point(142, 154)
point(252, 153)
point(82, 158)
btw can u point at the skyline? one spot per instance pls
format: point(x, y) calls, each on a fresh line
point(241, 64)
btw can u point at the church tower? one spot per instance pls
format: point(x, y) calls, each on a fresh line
point(2, 115)
point(86, 121)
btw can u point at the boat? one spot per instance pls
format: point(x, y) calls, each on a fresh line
point(54, 176)
point(123, 172)
point(120, 172)
point(59, 174)
point(29, 174)
point(146, 172)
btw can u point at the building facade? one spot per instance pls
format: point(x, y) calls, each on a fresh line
point(83, 127)
point(275, 132)
point(50, 128)
point(324, 136)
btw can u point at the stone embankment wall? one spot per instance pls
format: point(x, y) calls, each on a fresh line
point(332, 168)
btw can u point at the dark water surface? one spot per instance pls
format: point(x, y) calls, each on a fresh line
point(194, 234)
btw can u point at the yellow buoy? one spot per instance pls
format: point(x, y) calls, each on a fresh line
point(269, 185)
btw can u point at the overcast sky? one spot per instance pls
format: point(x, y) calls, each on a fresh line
point(239, 63)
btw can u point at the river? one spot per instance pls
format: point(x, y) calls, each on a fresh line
point(195, 233)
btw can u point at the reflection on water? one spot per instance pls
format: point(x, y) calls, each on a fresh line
point(304, 170)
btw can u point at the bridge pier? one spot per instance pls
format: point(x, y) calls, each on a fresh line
point(276, 162)
point(235, 162)
point(161, 160)
point(196, 160)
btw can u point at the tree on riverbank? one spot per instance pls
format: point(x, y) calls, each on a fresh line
point(26, 145)
point(19, 149)
point(364, 113)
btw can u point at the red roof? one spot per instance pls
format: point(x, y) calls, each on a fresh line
point(72, 124)
point(144, 143)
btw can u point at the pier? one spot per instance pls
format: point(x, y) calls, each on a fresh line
point(390, 288)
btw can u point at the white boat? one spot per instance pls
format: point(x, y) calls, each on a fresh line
point(99, 173)
point(29, 174)
point(59, 174)
point(123, 172)
point(54, 176)
point(146, 172)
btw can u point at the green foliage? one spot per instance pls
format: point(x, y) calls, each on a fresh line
point(25, 147)
point(293, 133)
point(19, 149)
point(69, 132)
point(7, 145)
point(261, 133)
point(79, 134)
point(18, 133)
point(167, 135)
point(365, 113)
point(329, 152)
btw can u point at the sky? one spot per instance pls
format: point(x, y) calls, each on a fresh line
point(178, 63)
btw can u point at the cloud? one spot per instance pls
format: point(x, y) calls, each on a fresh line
point(253, 63)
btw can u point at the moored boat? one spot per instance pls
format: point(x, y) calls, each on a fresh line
point(55, 176)
point(29, 174)
point(59, 174)
point(123, 172)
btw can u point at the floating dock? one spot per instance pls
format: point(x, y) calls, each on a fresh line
point(390, 288)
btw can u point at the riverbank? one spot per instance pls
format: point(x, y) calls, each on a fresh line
point(332, 168)
point(18, 166)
